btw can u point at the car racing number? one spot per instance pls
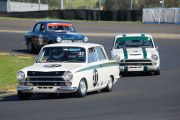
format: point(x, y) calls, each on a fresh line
point(95, 77)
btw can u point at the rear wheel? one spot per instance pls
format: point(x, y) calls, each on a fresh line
point(109, 86)
point(82, 89)
point(30, 46)
point(24, 96)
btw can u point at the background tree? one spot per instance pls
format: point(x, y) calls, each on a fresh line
point(117, 4)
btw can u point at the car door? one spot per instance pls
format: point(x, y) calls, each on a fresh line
point(93, 80)
point(39, 35)
point(35, 35)
point(103, 69)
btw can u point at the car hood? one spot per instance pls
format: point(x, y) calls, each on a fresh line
point(67, 35)
point(135, 53)
point(54, 67)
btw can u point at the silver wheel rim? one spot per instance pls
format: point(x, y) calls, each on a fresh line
point(83, 87)
point(110, 83)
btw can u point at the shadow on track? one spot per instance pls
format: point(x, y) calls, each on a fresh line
point(14, 97)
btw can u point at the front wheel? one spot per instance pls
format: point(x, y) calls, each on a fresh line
point(109, 86)
point(30, 46)
point(24, 96)
point(82, 89)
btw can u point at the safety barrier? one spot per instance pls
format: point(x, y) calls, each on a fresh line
point(122, 15)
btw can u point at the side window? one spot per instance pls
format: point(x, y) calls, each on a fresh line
point(92, 55)
point(42, 27)
point(100, 53)
point(37, 28)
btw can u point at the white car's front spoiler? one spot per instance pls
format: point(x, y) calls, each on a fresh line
point(47, 89)
point(138, 68)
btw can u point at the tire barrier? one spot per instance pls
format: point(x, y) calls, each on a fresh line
point(121, 15)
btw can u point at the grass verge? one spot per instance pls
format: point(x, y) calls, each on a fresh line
point(38, 19)
point(9, 66)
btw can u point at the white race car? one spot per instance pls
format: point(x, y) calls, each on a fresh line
point(136, 53)
point(68, 68)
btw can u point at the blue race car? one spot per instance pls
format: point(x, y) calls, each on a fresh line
point(48, 32)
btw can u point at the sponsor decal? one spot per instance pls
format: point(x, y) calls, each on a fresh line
point(51, 66)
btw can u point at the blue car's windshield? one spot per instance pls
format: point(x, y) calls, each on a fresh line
point(62, 54)
point(59, 27)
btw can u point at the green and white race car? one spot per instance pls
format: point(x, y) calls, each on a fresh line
point(136, 53)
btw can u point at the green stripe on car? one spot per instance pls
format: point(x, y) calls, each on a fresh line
point(124, 38)
point(99, 66)
point(125, 53)
point(145, 68)
point(144, 53)
point(125, 68)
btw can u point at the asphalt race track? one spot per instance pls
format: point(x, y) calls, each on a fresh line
point(135, 97)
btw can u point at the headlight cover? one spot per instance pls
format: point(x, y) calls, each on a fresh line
point(20, 76)
point(67, 76)
point(117, 58)
point(59, 39)
point(85, 39)
point(154, 57)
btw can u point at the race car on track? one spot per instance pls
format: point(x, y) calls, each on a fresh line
point(68, 68)
point(48, 32)
point(136, 53)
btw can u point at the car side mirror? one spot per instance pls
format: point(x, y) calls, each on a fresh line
point(157, 47)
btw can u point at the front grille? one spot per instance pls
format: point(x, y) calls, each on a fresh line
point(36, 73)
point(66, 41)
point(45, 82)
point(142, 62)
point(78, 41)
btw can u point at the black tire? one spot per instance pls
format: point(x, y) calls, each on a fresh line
point(24, 96)
point(157, 72)
point(82, 88)
point(109, 86)
point(30, 46)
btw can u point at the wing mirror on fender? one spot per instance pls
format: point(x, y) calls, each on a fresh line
point(157, 47)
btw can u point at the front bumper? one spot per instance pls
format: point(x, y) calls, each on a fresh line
point(46, 89)
point(25, 43)
point(138, 68)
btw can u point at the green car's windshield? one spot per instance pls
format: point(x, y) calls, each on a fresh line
point(59, 27)
point(62, 54)
point(132, 42)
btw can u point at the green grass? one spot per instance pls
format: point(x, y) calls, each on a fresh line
point(39, 19)
point(9, 66)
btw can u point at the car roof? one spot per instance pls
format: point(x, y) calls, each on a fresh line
point(84, 45)
point(132, 35)
point(53, 21)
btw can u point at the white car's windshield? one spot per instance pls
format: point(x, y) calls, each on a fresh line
point(131, 42)
point(62, 54)
point(59, 27)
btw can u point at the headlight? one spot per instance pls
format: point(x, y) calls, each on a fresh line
point(67, 76)
point(20, 75)
point(155, 57)
point(117, 58)
point(58, 39)
point(85, 39)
